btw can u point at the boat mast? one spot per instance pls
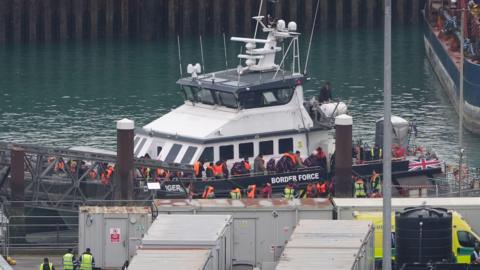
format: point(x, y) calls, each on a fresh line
point(387, 139)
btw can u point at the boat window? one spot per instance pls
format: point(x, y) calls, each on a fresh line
point(172, 155)
point(159, 150)
point(226, 152)
point(207, 155)
point(205, 96)
point(266, 148)
point(270, 97)
point(189, 155)
point(285, 145)
point(466, 239)
point(284, 95)
point(245, 150)
point(189, 92)
point(227, 100)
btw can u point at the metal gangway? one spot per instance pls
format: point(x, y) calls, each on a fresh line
point(59, 177)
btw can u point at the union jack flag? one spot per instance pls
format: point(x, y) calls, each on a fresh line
point(423, 164)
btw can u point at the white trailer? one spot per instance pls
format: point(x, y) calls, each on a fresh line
point(330, 244)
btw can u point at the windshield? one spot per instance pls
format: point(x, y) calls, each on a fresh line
point(265, 98)
point(210, 97)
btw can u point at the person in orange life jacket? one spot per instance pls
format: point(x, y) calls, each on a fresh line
point(218, 170)
point(198, 168)
point(209, 170)
point(267, 191)
point(246, 164)
point(293, 159)
point(208, 193)
point(251, 191)
point(299, 159)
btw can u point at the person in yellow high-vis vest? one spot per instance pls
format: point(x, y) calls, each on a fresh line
point(46, 265)
point(68, 260)
point(86, 260)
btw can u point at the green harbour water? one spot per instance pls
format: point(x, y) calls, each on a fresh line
point(71, 93)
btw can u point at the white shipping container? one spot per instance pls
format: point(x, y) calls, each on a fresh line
point(112, 233)
point(193, 231)
point(260, 226)
point(468, 207)
point(330, 244)
point(167, 259)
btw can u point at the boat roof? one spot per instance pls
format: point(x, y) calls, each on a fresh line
point(229, 80)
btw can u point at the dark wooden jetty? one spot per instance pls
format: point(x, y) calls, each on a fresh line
point(45, 20)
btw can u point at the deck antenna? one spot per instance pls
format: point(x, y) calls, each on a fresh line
point(201, 52)
point(311, 37)
point(225, 50)
point(179, 56)
point(256, 25)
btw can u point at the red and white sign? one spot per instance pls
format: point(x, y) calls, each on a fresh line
point(115, 235)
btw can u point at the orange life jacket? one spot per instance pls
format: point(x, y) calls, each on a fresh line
point(252, 189)
point(218, 169)
point(60, 166)
point(322, 188)
point(293, 157)
point(206, 193)
point(196, 168)
point(109, 172)
point(247, 165)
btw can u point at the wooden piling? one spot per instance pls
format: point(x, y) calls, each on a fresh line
point(47, 20)
point(371, 4)
point(124, 18)
point(343, 156)
point(124, 179)
point(324, 14)
point(415, 11)
point(232, 17)
point(247, 18)
point(187, 16)
point(17, 20)
point(400, 10)
point(339, 13)
point(217, 17)
point(17, 189)
point(308, 15)
point(279, 10)
point(32, 19)
point(78, 17)
point(63, 17)
point(355, 13)
point(202, 18)
point(109, 10)
point(93, 10)
point(172, 4)
point(17, 184)
point(3, 21)
point(293, 8)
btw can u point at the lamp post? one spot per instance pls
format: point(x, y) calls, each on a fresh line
point(387, 139)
